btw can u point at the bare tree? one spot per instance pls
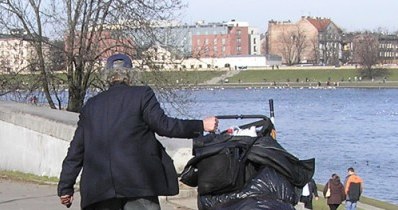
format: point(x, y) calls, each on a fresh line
point(366, 53)
point(314, 44)
point(293, 43)
point(26, 15)
point(83, 25)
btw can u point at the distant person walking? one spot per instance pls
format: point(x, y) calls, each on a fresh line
point(337, 194)
point(309, 192)
point(353, 189)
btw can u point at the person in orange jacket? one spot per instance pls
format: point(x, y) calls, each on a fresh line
point(353, 189)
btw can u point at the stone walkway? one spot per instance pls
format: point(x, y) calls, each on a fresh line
point(16, 195)
point(220, 79)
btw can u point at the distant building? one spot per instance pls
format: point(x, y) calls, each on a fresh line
point(17, 53)
point(312, 40)
point(225, 63)
point(182, 42)
point(254, 42)
point(222, 39)
point(104, 43)
point(388, 48)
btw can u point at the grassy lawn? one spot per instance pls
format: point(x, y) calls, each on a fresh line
point(171, 77)
point(320, 204)
point(185, 77)
point(246, 76)
point(26, 177)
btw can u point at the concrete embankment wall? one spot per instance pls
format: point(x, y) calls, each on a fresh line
point(35, 139)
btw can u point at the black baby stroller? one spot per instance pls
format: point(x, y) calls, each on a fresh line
point(246, 172)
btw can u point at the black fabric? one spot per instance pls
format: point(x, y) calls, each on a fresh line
point(267, 190)
point(333, 206)
point(307, 200)
point(278, 175)
point(269, 152)
point(123, 203)
point(223, 162)
point(255, 203)
point(266, 151)
point(355, 192)
point(170, 172)
point(116, 146)
point(110, 204)
point(221, 173)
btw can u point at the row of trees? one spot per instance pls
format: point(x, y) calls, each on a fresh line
point(78, 26)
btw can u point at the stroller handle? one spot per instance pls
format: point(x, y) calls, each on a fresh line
point(241, 117)
point(264, 122)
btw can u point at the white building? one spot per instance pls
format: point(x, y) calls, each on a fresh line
point(15, 53)
point(226, 63)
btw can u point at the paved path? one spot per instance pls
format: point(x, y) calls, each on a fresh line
point(217, 80)
point(16, 195)
point(300, 206)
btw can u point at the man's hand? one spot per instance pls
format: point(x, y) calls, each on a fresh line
point(66, 200)
point(210, 124)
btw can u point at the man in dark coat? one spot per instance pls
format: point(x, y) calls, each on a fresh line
point(115, 144)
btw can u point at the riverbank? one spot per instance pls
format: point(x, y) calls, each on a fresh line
point(303, 78)
point(311, 85)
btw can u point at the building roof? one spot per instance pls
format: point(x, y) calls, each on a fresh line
point(319, 23)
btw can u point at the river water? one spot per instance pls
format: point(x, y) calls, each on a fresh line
point(340, 128)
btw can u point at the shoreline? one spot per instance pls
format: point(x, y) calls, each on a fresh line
point(311, 85)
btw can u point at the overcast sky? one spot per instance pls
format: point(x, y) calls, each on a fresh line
point(350, 15)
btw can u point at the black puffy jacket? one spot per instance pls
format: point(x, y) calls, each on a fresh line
point(273, 175)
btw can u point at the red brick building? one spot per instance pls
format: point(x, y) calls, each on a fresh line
point(220, 40)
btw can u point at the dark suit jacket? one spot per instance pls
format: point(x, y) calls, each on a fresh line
point(115, 144)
